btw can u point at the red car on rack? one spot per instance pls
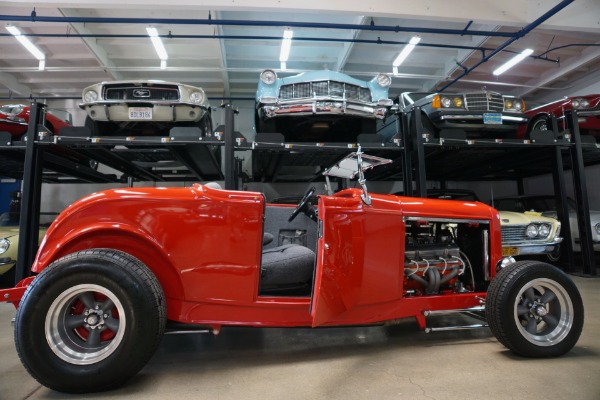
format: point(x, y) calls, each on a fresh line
point(588, 112)
point(119, 268)
point(14, 119)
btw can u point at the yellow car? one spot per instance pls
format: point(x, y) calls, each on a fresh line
point(529, 233)
point(9, 246)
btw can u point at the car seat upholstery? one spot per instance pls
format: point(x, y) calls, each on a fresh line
point(285, 266)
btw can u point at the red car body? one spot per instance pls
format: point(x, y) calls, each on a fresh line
point(118, 267)
point(209, 266)
point(14, 119)
point(589, 115)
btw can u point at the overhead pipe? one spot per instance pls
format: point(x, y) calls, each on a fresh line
point(519, 35)
point(318, 25)
point(248, 37)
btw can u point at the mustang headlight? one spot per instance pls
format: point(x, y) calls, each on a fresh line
point(4, 245)
point(268, 76)
point(544, 230)
point(90, 96)
point(531, 231)
point(197, 97)
point(384, 80)
point(579, 103)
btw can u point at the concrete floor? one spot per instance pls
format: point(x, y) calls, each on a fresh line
point(341, 363)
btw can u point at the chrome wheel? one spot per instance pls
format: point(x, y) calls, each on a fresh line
point(543, 312)
point(85, 324)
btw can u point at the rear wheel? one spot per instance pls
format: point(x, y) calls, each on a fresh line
point(90, 321)
point(534, 309)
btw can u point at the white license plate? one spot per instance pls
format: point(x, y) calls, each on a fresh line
point(140, 113)
point(492, 118)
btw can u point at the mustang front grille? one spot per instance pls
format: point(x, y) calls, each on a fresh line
point(141, 93)
point(487, 101)
point(324, 89)
point(514, 233)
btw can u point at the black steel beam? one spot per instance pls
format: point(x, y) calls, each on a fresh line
point(581, 197)
point(29, 223)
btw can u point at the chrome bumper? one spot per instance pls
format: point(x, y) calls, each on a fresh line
point(163, 112)
point(323, 107)
point(523, 248)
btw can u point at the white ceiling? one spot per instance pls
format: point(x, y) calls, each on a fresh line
point(229, 66)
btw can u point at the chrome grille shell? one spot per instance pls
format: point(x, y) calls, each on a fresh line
point(332, 89)
point(484, 101)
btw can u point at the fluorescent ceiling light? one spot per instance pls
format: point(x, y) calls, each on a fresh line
point(406, 51)
point(37, 53)
point(286, 45)
point(512, 62)
point(158, 44)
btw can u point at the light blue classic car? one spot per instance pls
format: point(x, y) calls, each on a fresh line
point(320, 105)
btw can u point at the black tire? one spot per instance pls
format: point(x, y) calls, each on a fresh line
point(534, 309)
point(540, 123)
point(206, 125)
point(90, 321)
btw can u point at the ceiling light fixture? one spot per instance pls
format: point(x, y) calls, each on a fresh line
point(37, 53)
point(158, 46)
point(286, 45)
point(512, 62)
point(406, 51)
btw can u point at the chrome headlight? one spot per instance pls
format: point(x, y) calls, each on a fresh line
point(197, 97)
point(268, 76)
point(4, 245)
point(384, 80)
point(597, 228)
point(446, 101)
point(531, 231)
point(457, 102)
point(90, 96)
point(16, 110)
point(580, 103)
point(513, 104)
point(544, 230)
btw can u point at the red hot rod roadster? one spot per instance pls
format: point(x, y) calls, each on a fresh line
point(118, 268)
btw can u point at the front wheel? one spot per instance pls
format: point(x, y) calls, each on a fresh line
point(90, 321)
point(534, 309)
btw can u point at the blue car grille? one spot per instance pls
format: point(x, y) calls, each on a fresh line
point(131, 92)
point(324, 89)
point(486, 101)
point(514, 233)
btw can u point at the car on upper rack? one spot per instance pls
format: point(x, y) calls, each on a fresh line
point(119, 268)
point(546, 205)
point(14, 119)
point(145, 108)
point(471, 115)
point(320, 106)
point(588, 114)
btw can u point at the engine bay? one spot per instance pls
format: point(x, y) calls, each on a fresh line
point(445, 256)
